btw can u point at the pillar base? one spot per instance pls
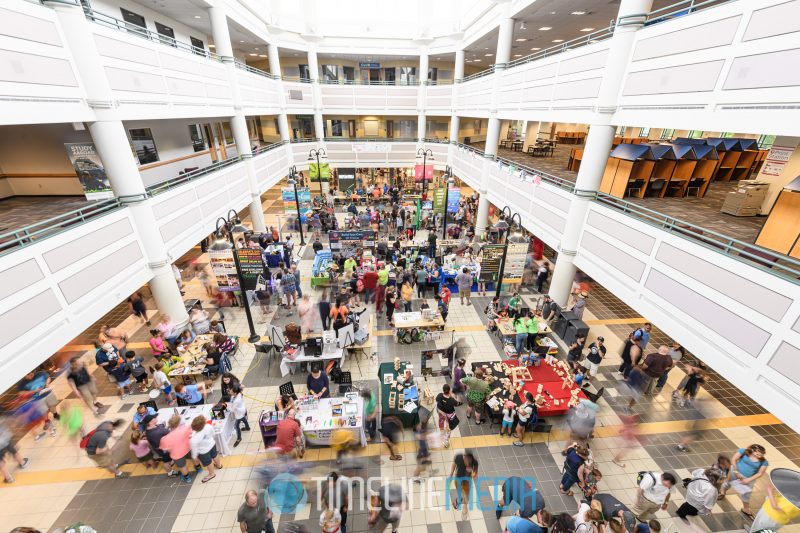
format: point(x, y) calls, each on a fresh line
point(563, 277)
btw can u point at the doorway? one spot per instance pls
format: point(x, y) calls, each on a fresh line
point(374, 75)
point(388, 75)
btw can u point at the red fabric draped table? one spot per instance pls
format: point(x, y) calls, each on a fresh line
point(544, 375)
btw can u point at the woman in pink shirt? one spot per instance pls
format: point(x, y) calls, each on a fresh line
point(157, 343)
point(177, 444)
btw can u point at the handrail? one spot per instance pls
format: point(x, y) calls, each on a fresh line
point(477, 75)
point(439, 82)
point(27, 235)
point(370, 139)
point(295, 78)
point(244, 66)
point(436, 140)
point(120, 25)
point(760, 257)
point(679, 9)
point(171, 183)
point(268, 147)
point(367, 82)
point(583, 40)
point(303, 140)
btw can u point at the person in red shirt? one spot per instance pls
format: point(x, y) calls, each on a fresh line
point(445, 294)
point(370, 280)
point(176, 443)
point(288, 436)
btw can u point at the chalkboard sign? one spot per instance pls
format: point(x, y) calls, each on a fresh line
point(491, 257)
point(252, 266)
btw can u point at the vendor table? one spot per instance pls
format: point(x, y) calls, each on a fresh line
point(414, 320)
point(193, 360)
point(328, 353)
point(320, 419)
point(408, 419)
point(223, 429)
point(507, 333)
point(543, 374)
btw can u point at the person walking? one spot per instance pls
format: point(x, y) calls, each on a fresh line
point(391, 304)
point(98, 447)
point(464, 283)
point(653, 491)
point(387, 505)
point(254, 516)
point(83, 384)
point(446, 409)
point(701, 493)
point(324, 306)
point(747, 466)
point(239, 411)
point(7, 448)
point(204, 448)
point(541, 276)
point(477, 389)
point(465, 472)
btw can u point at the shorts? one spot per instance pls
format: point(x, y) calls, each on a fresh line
point(50, 400)
point(507, 424)
point(140, 378)
point(181, 462)
point(167, 390)
point(9, 449)
point(206, 458)
point(122, 384)
point(145, 458)
point(103, 460)
point(593, 368)
point(464, 293)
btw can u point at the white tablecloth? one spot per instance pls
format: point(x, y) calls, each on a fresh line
point(322, 425)
point(330, 352)
point(223, 429)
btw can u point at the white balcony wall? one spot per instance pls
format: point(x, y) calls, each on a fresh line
point(56, 288)
point(368, 99)
point(475, 97)
point(38, 80)
point(439, 99)
point(728, 68)
point(299, 97)
point(260, 94)
point(741, 320)
point(149, 79)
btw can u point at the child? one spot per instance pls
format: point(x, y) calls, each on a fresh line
point(161, 381)
point(696, 377)
point(138, 370)
point(141, 448)
point(122, 376)
point(509, 411)
point(330, 521)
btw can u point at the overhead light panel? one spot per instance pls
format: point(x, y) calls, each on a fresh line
point(254, 55)
point(587, 29)
point(241, 41)
point(198, 17)
point(477, 60)
point(262, 55)
point(558, 40)
point(517, 55)
point(578, 13)
point(488, 55)
point(534, 49)
point(545, 28)
point(520, 40)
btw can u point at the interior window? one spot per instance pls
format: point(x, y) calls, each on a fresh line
point(696, 134)
point(644, 132)
point(165, 34)
point(196, 135)
point(330, 72)
point(134, 21)
point(144, 145)
point(336, 128)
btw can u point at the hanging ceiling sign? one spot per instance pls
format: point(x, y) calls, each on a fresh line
point(369, 65)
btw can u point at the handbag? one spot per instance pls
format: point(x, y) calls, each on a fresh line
point(453, 422)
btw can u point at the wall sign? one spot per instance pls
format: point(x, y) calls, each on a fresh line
point(224, 269)
point(369, 65)
point(776, 160)
point(90, 170)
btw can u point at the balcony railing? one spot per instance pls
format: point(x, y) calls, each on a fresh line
point(244, 66)
point(177, 181)
point(680, 9)
point(303, 140)
point(296, 79)
point(583, 40)
point(27, 235)
point(757, 256)
point(439, 82)
point(397, 83)
point(480, 74)
point(370, 139)
point(436, 140)
point(133, 29)
point(268, 147)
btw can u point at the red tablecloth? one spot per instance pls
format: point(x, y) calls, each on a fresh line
point(551, 389)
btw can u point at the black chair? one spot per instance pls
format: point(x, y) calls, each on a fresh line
point(267, 350)
point(696, 184)
point(635, 185)
point(345, 383)
point(594, 396)
point(287, 389)
point(656, 186)
point(150, 403)
point(541, 427)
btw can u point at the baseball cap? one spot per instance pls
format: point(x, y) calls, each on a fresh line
point(628, 520)
point(108, 347)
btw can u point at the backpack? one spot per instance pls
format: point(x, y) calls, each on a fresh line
point(640, 476)
point(632, 334)
point(85, 440)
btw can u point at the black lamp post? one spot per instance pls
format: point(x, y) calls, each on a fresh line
point(448, 174)
point(504, 226)
point(230, 225)
point(425, 154)
point(293, 182)
point(315, 153)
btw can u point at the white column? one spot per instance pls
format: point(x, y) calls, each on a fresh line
point(455, 121)
point(275, 69)
point(492, 136)
point(222, 41)
point(113, 147)
point(313, 67)
point(504, 38)
point(458, 71)
point(598, 144)
point(482, 220)
point(240, 135)
point(421, 104)
point(531, 133)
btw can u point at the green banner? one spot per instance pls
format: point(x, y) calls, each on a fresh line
point(438, 200)
point(417, 215)
point(315, 171)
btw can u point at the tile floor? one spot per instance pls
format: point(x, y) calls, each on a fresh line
point(74, 489)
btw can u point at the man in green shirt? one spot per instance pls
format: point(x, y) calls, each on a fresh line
point(514, 304)
point(349, 265)
point(533, 330)
point(370, 412)
point(380, 291)
point(477, 390)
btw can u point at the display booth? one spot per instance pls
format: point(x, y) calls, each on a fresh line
point(628, 170)
point(320, 270)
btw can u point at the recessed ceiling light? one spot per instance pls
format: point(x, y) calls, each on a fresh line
point(254, 55)
point(587, 29)
point(468, 60)
point(534, 49)
point(211, 46)
point(558, 40)
point(477, 60)
point(488, 55)
point(517, 55)
point(197, 16)
point(262, 55)
point(241, 41)
point(578, 13)
point(520, 40)
point(486, 48)
point(256, 48)
point(545, 28)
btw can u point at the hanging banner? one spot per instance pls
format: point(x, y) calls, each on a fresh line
point(515, 262)
point(224, 269)
point(491, 255)
point(347, 179)
point(314, 170)
point(289, 204)
point(453, 199)
point(348, 242)
point(304, 195)
point(90, 170)
point(438, 200)
point(252, 266)
point(418, 170)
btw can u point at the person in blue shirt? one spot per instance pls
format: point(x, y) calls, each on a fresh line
point(317, 383)
point(747, 465)
point(105, 354)
point(517, 524)
point(643, 334)
point(142, 411)
point(192, 394)
point(38, 384)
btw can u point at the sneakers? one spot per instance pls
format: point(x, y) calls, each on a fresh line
point(238, 442)
point(682, 448)
point(172, 473)
point(53, 432)
point(9, 480)
point(40, 435)
point(518, 443)
point(186, 479)
point(121, 475)
point(24, 463)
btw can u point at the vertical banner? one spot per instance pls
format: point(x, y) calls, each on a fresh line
point(515, 262)
point(438, 200)
point(314, 170)
point(289, 204)
point(90, 170)
point(224, 269)
point(418, 173)
point(453, 198)
point(304, 195)
point(252, 266)
point(491, 256)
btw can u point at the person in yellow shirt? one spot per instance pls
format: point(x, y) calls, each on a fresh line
point(776, 512)
point(406, 294)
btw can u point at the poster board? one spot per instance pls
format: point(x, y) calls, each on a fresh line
point(491, 256)
point(776, 160)
point(90, 170)
point(252, 266)
point(224, 270)
point(515, 262)
point(348, 242)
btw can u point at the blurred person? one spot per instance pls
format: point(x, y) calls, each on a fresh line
point(701, 493)
point(37, 386)
point(98, 446)
point(7, 448)
point(776, 512)
point(83, 384)
point(464, 470)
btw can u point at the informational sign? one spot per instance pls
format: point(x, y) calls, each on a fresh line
point(348, 242)
point(289, 203)
point(252, 266)
point(453, 198)
point(224, 270)
point(314, 170)
point(438, 200)
point(372, 148)
point(491, 257)
point(418, 173)
point(369, 65)
point(777, 159)
point(515, 262)
point(347, 179)
point(90, 170)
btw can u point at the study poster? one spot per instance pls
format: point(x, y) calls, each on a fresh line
point(224, 269)
point(314, 170)
point(491, 256)
point(90, 170)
